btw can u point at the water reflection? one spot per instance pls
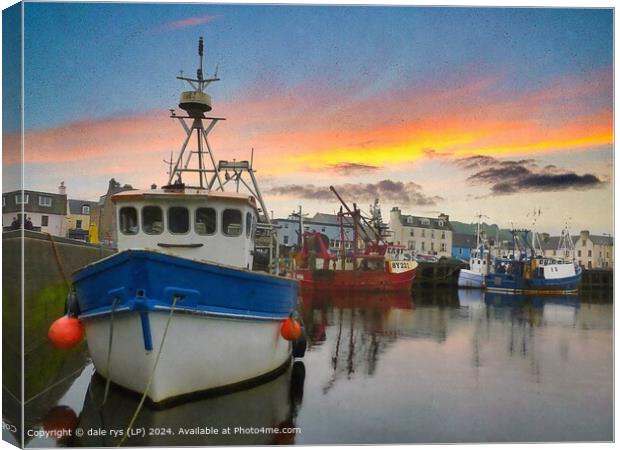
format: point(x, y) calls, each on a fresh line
point(272, 405)
point(438, 366)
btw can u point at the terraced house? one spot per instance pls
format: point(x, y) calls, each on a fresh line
point(47, 211)
point(425, 235)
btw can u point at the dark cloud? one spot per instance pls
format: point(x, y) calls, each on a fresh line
point(385, 190)
point(352, 168)
point(508, 177)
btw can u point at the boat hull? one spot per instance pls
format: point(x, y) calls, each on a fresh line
point(470, 279)
point(354, 280)
point(224, 329)
point(515, 284)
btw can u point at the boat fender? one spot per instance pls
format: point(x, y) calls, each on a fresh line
point(290, 329)
point(72, 307)
point(299, 345)
point(66, 332)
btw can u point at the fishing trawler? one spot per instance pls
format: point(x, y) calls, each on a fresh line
point(527, 271)
point(178, 309)
point(370, 264)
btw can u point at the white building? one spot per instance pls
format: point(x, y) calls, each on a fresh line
point(424, 235)
point(591, 251)
point(47, 211)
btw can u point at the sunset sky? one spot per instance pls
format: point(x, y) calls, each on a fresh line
point(454, 110)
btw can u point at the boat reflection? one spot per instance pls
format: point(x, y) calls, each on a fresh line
point(225, 419)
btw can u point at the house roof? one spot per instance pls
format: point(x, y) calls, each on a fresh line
point(58, 202)
point(425, 222)
point(75, 206)
point(552, 242)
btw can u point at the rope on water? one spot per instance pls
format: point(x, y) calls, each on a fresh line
point(61, 268)
point(108, 363)
point(148, 384)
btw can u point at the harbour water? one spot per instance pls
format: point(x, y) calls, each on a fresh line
point(436, 366)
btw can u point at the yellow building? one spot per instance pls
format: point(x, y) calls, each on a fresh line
point(78, 219)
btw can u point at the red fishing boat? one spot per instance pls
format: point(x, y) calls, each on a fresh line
point(369, 264)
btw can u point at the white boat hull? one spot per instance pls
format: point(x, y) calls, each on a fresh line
point(470, 279)
point(200, 352)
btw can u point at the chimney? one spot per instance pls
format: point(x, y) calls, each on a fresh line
point(62, 190)
point(584, 235)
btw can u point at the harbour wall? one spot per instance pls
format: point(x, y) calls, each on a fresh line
point(48, 263)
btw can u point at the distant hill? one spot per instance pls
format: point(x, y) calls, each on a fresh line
point(491, 230)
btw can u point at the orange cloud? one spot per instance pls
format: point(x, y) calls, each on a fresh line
point(186, 23)
point(320, 127)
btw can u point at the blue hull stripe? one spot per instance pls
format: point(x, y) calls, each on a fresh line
point(146, 281)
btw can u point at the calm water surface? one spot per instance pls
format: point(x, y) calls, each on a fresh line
point(435, 367)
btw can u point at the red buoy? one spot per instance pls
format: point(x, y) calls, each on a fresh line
point(290, 329)
point(66, 332)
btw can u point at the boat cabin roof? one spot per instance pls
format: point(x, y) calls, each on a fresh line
point(187, 193)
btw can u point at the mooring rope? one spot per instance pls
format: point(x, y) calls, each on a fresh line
point(61, 268)
point(108, 363)
point(150, 380)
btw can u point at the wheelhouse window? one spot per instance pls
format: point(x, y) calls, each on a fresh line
point(205, 221)
point(231, 222)
point(178, 220)
point(152, 220)
point(248, 224)
point(128, 220)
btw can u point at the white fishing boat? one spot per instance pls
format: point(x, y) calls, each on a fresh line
point(178, 309)
point(479, 264)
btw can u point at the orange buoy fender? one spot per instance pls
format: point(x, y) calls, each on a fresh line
point(66, 332)
point(290, 329)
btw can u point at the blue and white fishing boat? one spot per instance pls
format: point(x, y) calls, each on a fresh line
point(179, 309)
point(479, 264)
point(531, 273)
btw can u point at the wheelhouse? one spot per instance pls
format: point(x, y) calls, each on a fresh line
point(215, 227)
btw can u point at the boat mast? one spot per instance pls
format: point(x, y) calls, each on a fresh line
point(196, 103)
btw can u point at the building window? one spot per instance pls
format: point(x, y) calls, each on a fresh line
point(21, 199)
point(205, 221)
point(443, 247)
point(45, 221)
point(409, 219)
point(85, 210)
point(128, 222)
point(285, 240)
point(45, 201)
point(178, 220)
point(152, 220)
point(443, 235)
point(583, 243)
point(578, 252)
point(423, 233)
point(323, 229)
point(231, 222)
point(411, 233)
point(78, 224)
point(589, 264)
point(432, 246)
point(423, 245)
point(590, 253)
